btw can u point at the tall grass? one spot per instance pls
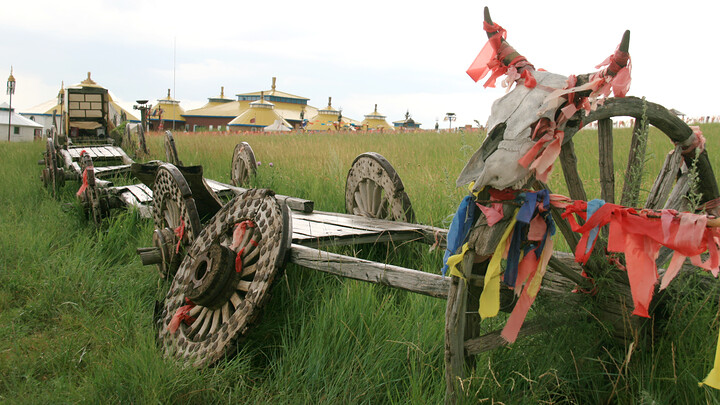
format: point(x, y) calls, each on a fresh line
point(76, 306)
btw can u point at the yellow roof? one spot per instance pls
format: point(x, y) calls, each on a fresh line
point(259, 115)
point(171, 110)
point(375, 120)
point(273, 92)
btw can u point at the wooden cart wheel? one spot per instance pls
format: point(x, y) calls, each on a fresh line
point(94, 199)
point(171, 153)
point(215, 297)
point(243, 165)
point(374, 189)
point(53, 177)
point(176, 218)
point(668, 190)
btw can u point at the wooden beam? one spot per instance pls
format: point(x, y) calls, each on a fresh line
point(568, 160)
point(664, 181)
point(433, 285)
point(605, 160)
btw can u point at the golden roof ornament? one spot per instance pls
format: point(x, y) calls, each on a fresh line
point(89, 80)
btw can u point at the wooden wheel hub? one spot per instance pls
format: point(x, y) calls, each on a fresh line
point(166, 241)
point(212, 277)
point(225, 302)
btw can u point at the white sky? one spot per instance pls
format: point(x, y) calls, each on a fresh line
point(402, 55)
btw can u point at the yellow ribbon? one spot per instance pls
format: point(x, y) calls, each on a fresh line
point(454, 260)
point(490, 297)
point(713, 379)
point(547, 252)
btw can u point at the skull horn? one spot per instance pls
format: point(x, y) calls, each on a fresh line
point(509, 53)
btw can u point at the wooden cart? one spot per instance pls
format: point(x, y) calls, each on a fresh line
point(221, 276)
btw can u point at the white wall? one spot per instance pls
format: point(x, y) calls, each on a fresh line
point(26, 134)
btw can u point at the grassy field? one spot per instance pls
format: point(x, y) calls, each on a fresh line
point(76, 305)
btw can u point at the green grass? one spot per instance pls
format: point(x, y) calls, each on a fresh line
point(76, 305)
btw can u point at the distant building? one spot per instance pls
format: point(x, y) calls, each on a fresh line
point(291, 108)
point(210, 117)
point(407, 122)
point(259, 115)
point(43, 113)
point(167, 114)
point(21, 129)
point(375, 121)
point(329, 119)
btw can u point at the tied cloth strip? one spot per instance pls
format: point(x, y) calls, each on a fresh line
point(534, 230)
point(180, 233)
point(637, 234)
point(239, 239)
point(490, 59)
point(84, 184)
point(182, 315)
point(459, 229)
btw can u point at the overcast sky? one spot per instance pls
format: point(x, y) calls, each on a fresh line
point(402, 55)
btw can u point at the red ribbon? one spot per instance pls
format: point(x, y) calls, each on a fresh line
point(85, 184)
point(182, 315)
point(180, 233)
point(238, 235)
point(490, 59)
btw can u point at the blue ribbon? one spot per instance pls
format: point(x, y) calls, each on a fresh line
point(592, 207)
point(525, 214)
point(459, 228)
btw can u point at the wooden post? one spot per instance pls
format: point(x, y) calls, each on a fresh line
point(455, 332)
point(605, 160)
point(636, 162)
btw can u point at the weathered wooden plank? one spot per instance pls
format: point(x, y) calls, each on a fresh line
point(109, 171)
point(605, 160)
point(568, 160)
point(374, 238)
point(494, 340)
point(664, 181)
point(430, 234)
point(323, 230)
point(143, 192)
point(354, 221)
point(677, 199)
point(635, 165)
point(294, 203)
point(433, 285)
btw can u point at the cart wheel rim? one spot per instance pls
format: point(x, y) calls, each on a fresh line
point(209, 332)
point(243, 165)
point(374, 189)
point(174, 212)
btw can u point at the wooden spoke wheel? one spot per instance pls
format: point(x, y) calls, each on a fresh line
point(671, 185)
point(137, 147)
point(171, 152)
point(374, 190)
point(94, 199)
point(243, 165)
point(215, 297)
point(53, 177)
point(668, 191)
point(176, 218)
